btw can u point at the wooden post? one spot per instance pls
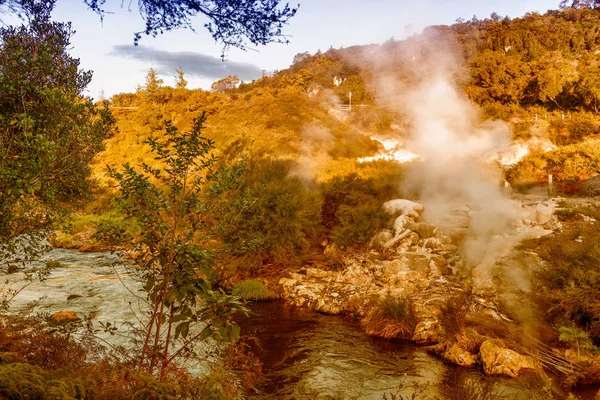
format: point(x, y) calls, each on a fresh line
point(536, 117)
point(550, 186)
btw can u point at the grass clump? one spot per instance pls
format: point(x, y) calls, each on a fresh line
point(390, 318)
point(253, 290)
point(51, 264)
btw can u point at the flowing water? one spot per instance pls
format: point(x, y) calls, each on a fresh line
point(305, 355)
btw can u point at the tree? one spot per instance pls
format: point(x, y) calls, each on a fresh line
point(553, 73)
point(153, 83)
point(233, 23)
point(49, 131)
point(298, 58)
point(228, 83)
point(580, 4)
point(165, 202)
point(180, 82)
point(588, 86)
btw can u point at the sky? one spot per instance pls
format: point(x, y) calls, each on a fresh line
point(107, 47)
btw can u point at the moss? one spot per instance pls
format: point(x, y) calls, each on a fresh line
point(253, 290)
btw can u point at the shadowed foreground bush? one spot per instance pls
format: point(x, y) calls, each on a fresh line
point(38, 363)
point(252, 290)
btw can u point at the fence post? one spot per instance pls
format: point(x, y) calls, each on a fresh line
point(550, 186)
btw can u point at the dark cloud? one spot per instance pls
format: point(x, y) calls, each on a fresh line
point(193, 64)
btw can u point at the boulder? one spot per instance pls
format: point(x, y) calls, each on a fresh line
point(427, 332)
point(381, 238)
point(543, 213)
point(424, 229)
point(499, 361)
point(64, 317)
point(402, 223)
point(404, 207)
point(459, 356)
point(317, 273)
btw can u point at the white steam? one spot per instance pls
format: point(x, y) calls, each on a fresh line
point(315, 142)
point(447, 133)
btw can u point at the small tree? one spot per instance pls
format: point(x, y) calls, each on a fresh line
point(180, 82)
point(574, 335)
point(165, 202)
point(153, 83)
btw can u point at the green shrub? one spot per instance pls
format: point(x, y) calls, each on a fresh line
point(261, 210)
point(352, 208)
point(252, 290)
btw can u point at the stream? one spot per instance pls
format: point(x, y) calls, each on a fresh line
point(305, 355)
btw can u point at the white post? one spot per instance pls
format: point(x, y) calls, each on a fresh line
point(550, 185)
point(350, 98)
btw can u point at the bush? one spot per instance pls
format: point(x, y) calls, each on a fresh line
point(352, 208)
point(252, 290)
point(568, 286)
point(259, 209)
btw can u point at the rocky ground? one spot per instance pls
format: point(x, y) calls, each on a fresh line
point(467, 314)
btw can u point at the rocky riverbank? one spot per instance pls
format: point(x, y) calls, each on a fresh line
point(469, 314)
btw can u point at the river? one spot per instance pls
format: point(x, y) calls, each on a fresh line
point(305, 355)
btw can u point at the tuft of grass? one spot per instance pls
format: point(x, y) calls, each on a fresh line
point(390, 318)
point(253, 290)
point(54, 264)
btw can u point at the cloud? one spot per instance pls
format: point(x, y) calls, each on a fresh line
point(193, 64)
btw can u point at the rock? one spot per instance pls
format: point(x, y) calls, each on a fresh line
point(402, 223)
point(459, 356)
point(333, 251)
point(73, 297)
point(64, 317)
point(413, 238)
point(424, 229)
point(427, 332)
point(317, 273)
point(404, 207)
point(381, 238)
point(433, 243)
point(326, 306)
point(415, 261)
point(543, 213)
point(499, 361)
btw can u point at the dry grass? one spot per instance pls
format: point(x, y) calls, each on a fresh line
point(391, 318)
